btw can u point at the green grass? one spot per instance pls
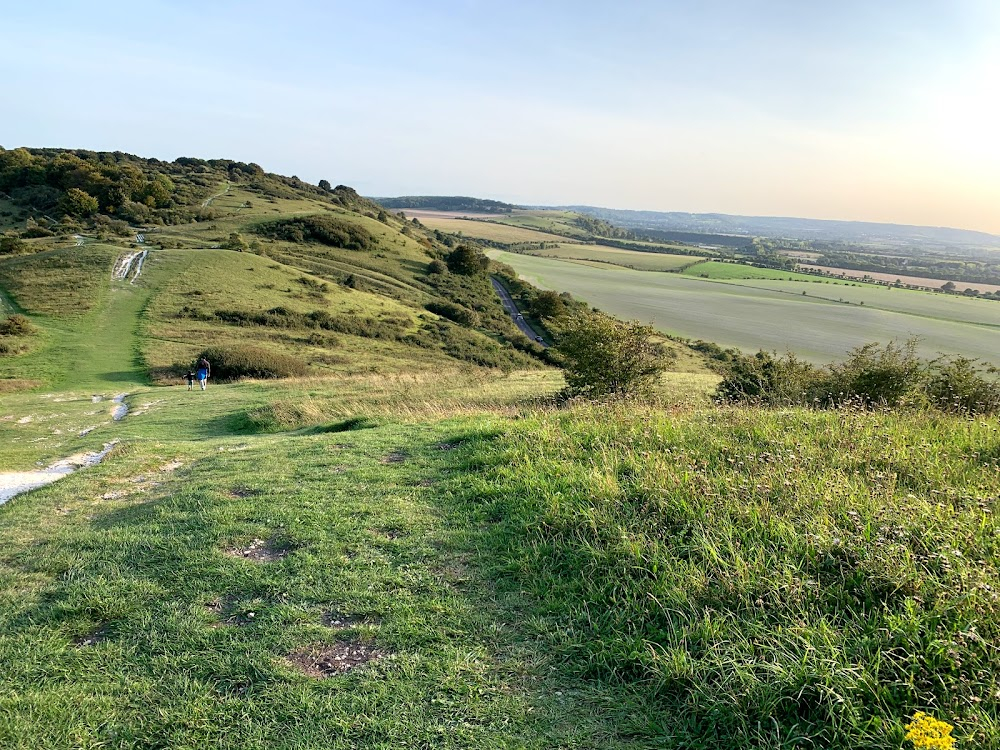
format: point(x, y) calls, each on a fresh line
point(660, 575)
point(639, 261)
point(762, 579)
point(815, 320)
point(714, 269)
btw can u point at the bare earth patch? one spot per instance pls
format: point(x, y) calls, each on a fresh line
point(261, 550)
point(449, 446)
point(329, 661)
point(93, 638)
point(396, 457)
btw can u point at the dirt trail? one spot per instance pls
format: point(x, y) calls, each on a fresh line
point(208, 201)
point(515, 314)
point(13, 483)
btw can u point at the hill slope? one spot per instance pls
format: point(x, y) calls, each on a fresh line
point(404, 549)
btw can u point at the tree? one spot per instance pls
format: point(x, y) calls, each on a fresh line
point(948, 286)
point(467, 260)
point(603, 356)
point(548, 304)
point(77, 202)
point(325, 185)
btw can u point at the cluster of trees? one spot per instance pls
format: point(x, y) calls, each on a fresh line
point(448, 203)
point(601, 228)
point(82, 186)
point(967, 270)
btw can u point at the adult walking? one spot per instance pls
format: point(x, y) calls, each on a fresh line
point(204, 372)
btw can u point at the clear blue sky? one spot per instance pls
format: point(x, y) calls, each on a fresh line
point(852, 110)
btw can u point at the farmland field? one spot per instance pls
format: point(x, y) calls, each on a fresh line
point(487, 230)
point(714, 269)
point(627, 258)
point(775, 315)
point(912, 280)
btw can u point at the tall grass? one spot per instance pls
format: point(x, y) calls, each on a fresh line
point(763, 579)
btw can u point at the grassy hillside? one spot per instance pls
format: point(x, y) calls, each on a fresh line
point(237, 256)
point(416, 544)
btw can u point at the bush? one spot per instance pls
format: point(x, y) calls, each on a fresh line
point(16, 325)
point(244, 361)
point(437, 266)
point(11, 245)
point(326, 230)
point(769, 380)
point(455, 313)
point(607, 357)
point(875, 375)
point(958, 385)
point(872, 376)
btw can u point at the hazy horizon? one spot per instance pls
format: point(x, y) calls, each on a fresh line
point(772, 109)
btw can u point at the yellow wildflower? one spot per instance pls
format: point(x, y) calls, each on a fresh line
point(928, 733)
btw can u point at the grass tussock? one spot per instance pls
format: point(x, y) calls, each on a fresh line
point(762, 579)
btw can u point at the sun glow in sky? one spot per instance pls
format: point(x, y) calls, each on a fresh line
point(882, 111)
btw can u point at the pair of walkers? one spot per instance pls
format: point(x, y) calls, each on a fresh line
point(201, 373)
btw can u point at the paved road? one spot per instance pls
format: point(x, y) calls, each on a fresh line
point(511, 308)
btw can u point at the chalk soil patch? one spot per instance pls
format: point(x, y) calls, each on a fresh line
point(261, 550)
point(329, 661)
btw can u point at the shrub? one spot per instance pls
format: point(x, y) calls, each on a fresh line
point(244, 361)
point(16, 325)
point(455, 313)
point(437, 266)
point(766, 379)
point(607, 357)
point(876, 375)
point(12, 245)
point(958, 385)
point(327, 230)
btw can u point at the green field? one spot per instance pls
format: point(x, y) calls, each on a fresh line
point(807, 318)
point(714, 269)
point(627, 258)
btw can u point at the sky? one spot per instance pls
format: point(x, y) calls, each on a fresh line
point(876, 111)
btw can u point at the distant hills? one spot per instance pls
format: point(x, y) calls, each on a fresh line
point(784, 227)
point(788, 227)
point(447, 203)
